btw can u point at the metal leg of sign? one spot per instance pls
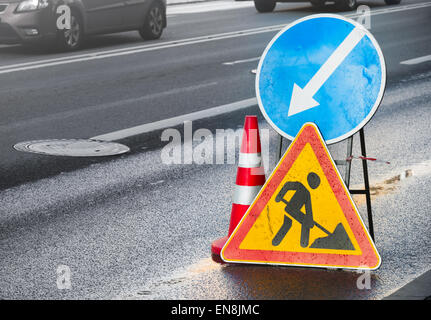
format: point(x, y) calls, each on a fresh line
point(348, 163)
point(280, 146)
point(367, 184)
point(366, 190)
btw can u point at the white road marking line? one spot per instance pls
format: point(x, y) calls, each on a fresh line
point(175, 121)
point(231, 63)
point(416, 60)
point(170, 44)
point(392, 9)
point(157, 182)
point(131, 50)
point(9, 45)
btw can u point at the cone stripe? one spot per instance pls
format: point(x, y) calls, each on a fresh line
point(249, 160)
point(245, 194)
point(249, 180)
point(250, 176)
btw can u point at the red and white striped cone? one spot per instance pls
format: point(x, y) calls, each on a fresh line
point(249, 180)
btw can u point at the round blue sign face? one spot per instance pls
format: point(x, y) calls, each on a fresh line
point(324, 69)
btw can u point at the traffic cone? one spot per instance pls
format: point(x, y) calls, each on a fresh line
point(249, 180)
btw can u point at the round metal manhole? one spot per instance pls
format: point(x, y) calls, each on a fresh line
point(73, 147)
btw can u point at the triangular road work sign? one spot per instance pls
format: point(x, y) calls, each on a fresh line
point(303, 215)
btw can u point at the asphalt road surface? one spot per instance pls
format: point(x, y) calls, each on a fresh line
point(132, 227)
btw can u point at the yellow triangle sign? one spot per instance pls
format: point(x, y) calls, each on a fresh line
point(303, 215)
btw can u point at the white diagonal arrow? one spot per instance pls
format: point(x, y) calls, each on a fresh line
point(302, 99)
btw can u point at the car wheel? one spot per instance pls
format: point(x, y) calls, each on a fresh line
point(318, 4)
point(71, 39)
point(265, 5)
point(392, 1)
point(154, 22)
point(347, 5)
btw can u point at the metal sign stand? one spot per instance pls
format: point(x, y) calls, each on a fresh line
point(348, 163)
point(366, 190)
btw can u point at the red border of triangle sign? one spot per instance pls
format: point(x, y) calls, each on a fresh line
point(366, 255)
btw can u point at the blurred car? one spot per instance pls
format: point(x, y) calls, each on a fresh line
point(34, 21)
point(345, 5)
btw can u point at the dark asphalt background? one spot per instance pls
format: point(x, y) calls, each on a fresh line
point(86, 99)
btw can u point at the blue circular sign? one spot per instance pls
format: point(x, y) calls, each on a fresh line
point(324, 69)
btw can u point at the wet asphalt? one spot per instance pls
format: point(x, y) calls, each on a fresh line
point(133, 227)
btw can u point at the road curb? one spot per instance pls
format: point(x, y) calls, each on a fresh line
point(418, 289)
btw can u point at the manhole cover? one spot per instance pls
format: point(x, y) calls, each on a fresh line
point(73, 147)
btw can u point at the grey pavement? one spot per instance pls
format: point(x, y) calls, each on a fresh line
point(133, 227)
point(418, 289)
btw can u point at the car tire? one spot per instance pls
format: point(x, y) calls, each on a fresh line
point(265, 5)
point(392, 2)
point(318, 4)
point(152, 28)
point(71, 39)
point(347, 5)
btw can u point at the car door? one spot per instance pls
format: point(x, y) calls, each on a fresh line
point(104, 15)
point(135, 12)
